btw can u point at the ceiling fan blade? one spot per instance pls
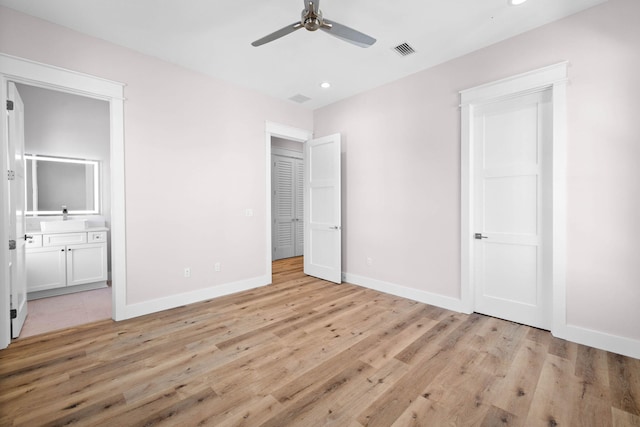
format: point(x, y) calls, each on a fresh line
point(347, 34)
point(277, 34)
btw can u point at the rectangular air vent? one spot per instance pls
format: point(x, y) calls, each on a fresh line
point(299, 98)
point(404, 49)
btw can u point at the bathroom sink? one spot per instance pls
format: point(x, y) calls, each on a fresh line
point(69, 225)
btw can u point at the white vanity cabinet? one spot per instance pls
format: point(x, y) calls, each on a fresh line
point(59, 263)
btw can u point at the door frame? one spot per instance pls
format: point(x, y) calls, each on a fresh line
point(37, 74)
point(552, 78)
point(279, 131)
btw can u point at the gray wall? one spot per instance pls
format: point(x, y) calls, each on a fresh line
point(65, 125)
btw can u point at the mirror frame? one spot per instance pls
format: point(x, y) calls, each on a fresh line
point(96, 184)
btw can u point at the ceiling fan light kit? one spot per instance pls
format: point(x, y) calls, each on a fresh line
point(312, 20)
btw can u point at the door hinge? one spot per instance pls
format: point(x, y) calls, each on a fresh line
point(11, 175)
point(12, 245)
point(13, 313)
point(9, 105)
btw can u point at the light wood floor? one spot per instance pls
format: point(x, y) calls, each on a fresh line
point(304, 352)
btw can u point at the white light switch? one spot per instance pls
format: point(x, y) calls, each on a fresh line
point(248, 212)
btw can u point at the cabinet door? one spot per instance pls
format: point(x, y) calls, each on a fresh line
point(86, 263)
point(46, 268)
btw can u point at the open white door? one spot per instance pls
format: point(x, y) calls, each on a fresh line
point(322, 209)
point(17, 226)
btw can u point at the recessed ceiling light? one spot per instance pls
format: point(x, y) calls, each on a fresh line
point(325, 85)
point(516, 2)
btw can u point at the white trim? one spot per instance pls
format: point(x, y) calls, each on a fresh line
point(604, 341)
point(554, 78)
point(42, 75)
point(283, 152)
point(51, 77)
point(526, 82)
point(173, 301)
point(5, 258)
point(279, 131)
point(425, 297)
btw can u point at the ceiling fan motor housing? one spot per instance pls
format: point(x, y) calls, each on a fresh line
point(311, 20)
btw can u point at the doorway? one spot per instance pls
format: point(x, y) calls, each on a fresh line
point(287, 201)
point(287, 136)
point(41, 75)
point(322, 201)
point(512, 142)
point(529, 248)
point(67, 146)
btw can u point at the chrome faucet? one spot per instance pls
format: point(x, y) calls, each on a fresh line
point(65, 213)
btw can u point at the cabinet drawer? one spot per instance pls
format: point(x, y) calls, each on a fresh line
point(34, 241)
point(97, 236)
point(64, 239)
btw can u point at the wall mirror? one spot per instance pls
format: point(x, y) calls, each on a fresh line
point(53, 182)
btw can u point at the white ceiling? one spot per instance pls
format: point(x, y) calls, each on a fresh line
point(214, 36)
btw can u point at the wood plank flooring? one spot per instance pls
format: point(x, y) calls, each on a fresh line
point(304, 352)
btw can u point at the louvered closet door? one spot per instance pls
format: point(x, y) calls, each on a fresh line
point(299, 207)
point(283, 207)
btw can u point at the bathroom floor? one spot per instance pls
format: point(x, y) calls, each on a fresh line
point(65, 311)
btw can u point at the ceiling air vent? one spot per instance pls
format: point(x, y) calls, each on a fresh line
point(299, 98)
point(404, 49)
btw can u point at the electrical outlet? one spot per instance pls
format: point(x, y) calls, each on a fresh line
point(187, 272)
point(248, 212)
point(369, 261)
point(216, 266)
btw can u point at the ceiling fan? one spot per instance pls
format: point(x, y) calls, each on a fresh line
point(312, 20)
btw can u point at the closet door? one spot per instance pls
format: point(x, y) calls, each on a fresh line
point(299, 207)
point(283, 185)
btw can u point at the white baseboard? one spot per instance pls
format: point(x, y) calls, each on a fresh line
point(173, 301)
point(604, 341)
point(425, 297)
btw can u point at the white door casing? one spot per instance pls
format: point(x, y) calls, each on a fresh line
point(322, 210)
point(512, 145)
point(553, 78)
point(17, 208)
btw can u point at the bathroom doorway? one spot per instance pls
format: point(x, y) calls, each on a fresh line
point(60, 129)
point(21, 71)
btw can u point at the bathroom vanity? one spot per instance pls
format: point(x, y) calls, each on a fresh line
point(65, 258)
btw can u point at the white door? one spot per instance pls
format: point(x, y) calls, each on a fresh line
point(18, 276)
point(512, 146)
point(322, 209)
